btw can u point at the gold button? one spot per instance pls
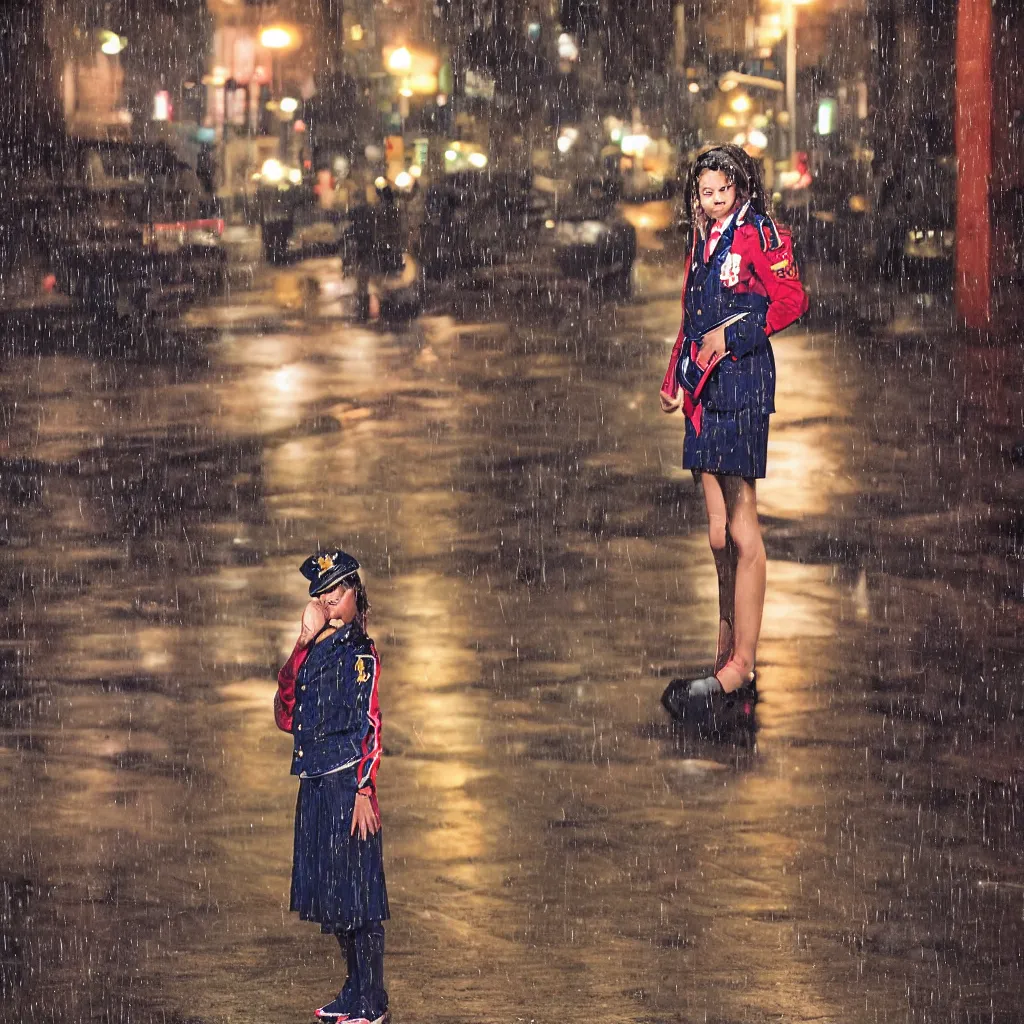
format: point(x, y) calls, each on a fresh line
point(299, 754)
point(299, 728)
point(699, 312)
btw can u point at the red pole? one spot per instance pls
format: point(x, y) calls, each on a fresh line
point(974, 159)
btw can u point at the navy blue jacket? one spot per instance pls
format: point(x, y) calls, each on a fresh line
point(752, 271)
point(337, 720)
point(747, 380)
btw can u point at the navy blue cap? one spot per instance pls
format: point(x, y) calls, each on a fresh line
point(326, 569)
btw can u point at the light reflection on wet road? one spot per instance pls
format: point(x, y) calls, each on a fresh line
point(538, 568)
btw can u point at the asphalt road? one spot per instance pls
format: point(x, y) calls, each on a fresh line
point(538, 569)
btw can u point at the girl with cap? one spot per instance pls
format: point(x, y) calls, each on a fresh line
point(740, 286)
point(327, 699)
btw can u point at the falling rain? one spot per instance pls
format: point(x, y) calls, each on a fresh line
point(402, 279)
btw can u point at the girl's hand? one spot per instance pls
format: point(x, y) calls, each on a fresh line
point(313, 620)
point(668, 403)
point(712, 344)
point(364, 817)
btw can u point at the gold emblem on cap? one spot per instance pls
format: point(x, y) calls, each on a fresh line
point(326, 563)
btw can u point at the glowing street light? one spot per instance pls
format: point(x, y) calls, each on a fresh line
point(400, 61)
point(111, 43)
point(790, 19)
point(288, 105)
point(635, 145)
point(567, 48)
point(276, 38)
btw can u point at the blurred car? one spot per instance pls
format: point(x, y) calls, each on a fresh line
point(592, 242)
point(295, 222)
point(130, 228)
point(472, 219)
point(829, 215)
point(916, 215)
point(26, 282)
point(475, 221)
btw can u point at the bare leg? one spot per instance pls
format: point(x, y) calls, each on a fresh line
point(724, 552)
point(751, 563)
point(725, 564)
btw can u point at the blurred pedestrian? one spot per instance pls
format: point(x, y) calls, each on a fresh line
point(327, 699)
point(377, 244)
point(740, 286)
point(206, 167)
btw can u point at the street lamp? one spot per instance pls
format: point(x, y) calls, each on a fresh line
point(111, 43)
point(400, 61)
point(276, 38)
point(791, 6)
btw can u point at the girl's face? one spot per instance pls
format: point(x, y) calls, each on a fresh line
point(340, 603)
point(716, 193)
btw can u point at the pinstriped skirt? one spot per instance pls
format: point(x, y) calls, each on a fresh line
point(732, 442)
point(337, 878)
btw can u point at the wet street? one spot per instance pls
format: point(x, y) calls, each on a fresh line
point(539, 570)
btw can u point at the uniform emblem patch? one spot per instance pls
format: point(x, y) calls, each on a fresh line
point(730, 275)
point(326, 563)
point(363, 669)
point(785, 269)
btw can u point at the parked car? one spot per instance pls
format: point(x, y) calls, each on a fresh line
point(475, 222)
point(592, 242)
point(830, 217)
point(916, 212)
point(25, 279)
point(130, 228)
point(471, 220)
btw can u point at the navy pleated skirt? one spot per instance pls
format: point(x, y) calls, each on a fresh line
point(337, 879)
point(731, 443)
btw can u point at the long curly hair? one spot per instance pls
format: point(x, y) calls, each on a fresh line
point(740, 169)
point(362, 601)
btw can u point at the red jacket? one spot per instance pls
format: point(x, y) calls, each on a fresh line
point(284, 699)
point(766, 267)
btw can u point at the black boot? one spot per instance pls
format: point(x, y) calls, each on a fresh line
point(703, 703)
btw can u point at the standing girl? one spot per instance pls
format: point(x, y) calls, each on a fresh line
point(327, 699)
point(740, 286)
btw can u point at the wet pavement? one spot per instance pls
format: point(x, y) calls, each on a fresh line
point(538, 569)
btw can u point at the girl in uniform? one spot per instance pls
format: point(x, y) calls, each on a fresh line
point(327, 699)
point(740, 286)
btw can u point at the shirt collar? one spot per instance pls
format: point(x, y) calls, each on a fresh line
point(719, 226)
